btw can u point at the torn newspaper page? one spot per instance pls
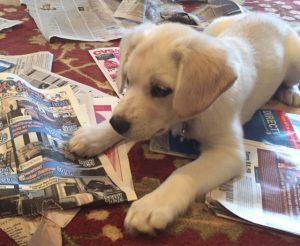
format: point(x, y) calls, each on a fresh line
point(217, 8)
point(108, 59)
point(117, 154)
point(19, 229)
point(86, 20)
point(4, 23)
point(43, 79)
point(37, 171)
point(48, 233)
point(199, 18)
point(131, 10)
point(41, 59)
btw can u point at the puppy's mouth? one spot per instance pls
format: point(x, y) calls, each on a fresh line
point(160, 132)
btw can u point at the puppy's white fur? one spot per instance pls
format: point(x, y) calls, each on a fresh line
point(219, 78)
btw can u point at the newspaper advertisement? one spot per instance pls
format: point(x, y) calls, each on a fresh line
point(274, 127)
point(108, 60)
point(21, 63)
point(85, 20)
point(268, 193)
point(4, 23)
point(37, 172)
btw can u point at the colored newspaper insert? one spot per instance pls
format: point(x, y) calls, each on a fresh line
point(37, 172)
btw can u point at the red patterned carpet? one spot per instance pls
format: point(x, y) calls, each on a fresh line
point(104, 226)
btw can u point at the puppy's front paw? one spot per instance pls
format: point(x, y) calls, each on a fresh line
point(85, 142)
point(149, 214)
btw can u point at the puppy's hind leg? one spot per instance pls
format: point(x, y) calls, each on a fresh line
point(289, 95)
point(289, 92)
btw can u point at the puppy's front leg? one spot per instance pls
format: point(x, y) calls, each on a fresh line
point(90, 141)
point(156, 210)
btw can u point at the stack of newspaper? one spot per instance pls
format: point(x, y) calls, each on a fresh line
point(39, 112)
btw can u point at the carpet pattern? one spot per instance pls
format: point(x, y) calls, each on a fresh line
point(104, 225)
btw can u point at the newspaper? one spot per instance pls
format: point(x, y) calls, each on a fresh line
point(108, 60)
point(21, 63)
point(37, 172)
point(131, 10)
point(104, 20)
point(28, 231)
point(86, 20)
point(43, 79)
point(19, 229)
point(4, 23)
point(4, 65)
point(117, 154)
point(217, 8)
point(203, 14)
point(49, 227)
point(268, 194)
point(176, 145)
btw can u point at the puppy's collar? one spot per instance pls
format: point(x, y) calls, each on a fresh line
point(184, 129)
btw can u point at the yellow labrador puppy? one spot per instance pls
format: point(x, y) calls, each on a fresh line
point(213, 82)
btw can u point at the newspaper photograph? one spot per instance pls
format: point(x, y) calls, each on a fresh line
point(85, 20)
point(37, 172)
point(21, 63)
point(268, 193)
point(108, 60)
point(5, 23)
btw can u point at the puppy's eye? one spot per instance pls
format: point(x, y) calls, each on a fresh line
point(160, 91)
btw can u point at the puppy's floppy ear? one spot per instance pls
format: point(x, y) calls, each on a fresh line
point(130, 41)
point(203, 75)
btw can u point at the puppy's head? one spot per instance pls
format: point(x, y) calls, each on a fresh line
point(172, 74)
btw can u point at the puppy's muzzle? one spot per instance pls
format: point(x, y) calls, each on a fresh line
point(119, 124)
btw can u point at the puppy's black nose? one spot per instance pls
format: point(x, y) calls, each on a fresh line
point(119, 124)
